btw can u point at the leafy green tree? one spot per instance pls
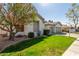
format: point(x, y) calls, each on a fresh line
point(73, 14)
point(13, 14)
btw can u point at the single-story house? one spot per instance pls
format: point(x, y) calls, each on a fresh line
point(67, 28)
point(78, 29)
point(54, 27)
point(36, 27)
point(48, 26)
point(57, 27)
point(71, 29)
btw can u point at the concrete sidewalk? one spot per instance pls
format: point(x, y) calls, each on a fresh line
point(73, 50)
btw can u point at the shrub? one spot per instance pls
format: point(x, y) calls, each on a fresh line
point(31, 35)
point(39, 32)
point(46, 32)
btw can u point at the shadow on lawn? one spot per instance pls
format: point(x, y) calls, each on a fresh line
point(22, 45)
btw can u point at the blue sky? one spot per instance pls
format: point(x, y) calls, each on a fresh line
point(53, 11)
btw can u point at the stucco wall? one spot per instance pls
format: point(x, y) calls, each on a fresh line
point(71, 30)
point(55, 28)
point(41, 26)
point(29, 28)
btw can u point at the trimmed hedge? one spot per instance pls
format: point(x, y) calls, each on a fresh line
point(46, 32)
point(31, 35)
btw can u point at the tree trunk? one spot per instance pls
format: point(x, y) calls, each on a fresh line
point(75, 27)
point(11, 35)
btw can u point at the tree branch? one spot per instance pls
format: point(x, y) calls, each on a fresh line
point(4, 29)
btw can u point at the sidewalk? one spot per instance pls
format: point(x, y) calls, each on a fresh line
point(73, 50)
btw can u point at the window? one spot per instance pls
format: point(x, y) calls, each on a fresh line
point(19, 28)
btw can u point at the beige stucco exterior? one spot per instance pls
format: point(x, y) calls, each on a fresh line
point(33, 27)
point(54, 28)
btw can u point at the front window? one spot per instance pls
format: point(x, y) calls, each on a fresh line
point(19, 28)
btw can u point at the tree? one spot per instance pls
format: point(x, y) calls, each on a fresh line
point(15, 14)
point(73, 14)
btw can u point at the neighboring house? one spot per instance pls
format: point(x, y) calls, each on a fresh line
point(54, 27)
point(57, 27)
point(78, 29)
point(36, 27)
point(67, 28)
point(71, 29)
point(49, 26)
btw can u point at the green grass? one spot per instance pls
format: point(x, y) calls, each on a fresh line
point(43, 46)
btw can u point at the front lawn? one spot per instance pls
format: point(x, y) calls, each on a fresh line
point(44, 46)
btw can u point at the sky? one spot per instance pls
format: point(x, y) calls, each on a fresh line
point(53, 11)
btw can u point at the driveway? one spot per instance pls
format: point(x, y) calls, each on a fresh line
point(73, 50)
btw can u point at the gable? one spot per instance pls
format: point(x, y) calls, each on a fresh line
point(58, 25)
